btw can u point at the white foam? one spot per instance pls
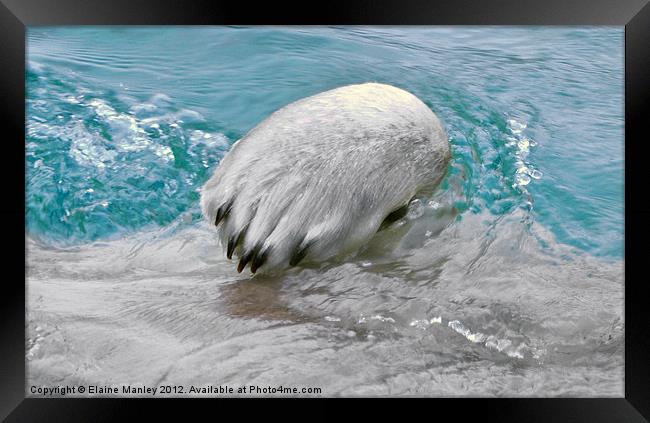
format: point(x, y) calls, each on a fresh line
point(420, 324)
point(491, 342)
point(379, 317)
point(415, 209)
point(525, 172)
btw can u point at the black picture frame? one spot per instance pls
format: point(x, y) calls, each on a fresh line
point(16, 15)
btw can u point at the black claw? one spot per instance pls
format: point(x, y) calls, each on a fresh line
point(259, 259)
point(253, 255)
point(393, 217)
point(219, 217)
point(234, 241)
point(243, 261)
point(222, 212)
point(299, 253)
point(231, 247)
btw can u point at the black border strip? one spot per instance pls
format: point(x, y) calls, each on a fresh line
point(12, 299)
point(637, 210)
point(340, 12)
point(634, 14)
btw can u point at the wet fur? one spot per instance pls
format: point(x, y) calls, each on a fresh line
point(317, 178)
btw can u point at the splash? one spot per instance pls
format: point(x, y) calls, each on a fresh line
point(102, 165)
point(522, 145)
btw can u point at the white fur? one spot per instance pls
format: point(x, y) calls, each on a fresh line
point(325, 171)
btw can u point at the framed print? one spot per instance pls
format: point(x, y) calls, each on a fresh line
point(369, 200)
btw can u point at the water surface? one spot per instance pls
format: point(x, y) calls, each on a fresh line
point(507, 282)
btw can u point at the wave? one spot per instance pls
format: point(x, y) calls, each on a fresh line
point(459, 299)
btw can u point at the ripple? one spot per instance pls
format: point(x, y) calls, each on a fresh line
point(106, 152)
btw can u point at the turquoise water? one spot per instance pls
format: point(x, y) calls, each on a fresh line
point(507, 281)
point(125, 124)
